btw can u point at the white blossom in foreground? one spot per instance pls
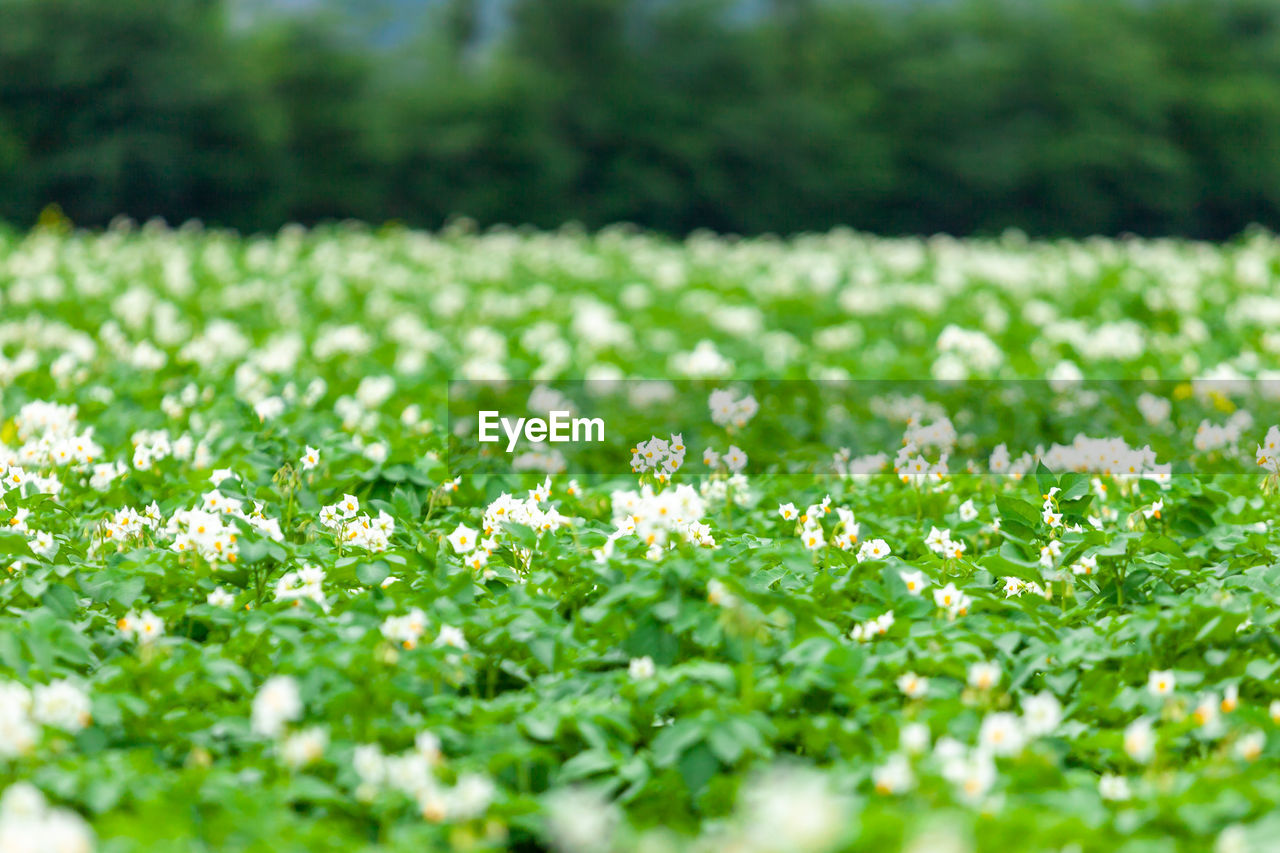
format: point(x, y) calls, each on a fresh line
point(580, 820)
point(29, 825)
point(793, 809)
point(894, 776)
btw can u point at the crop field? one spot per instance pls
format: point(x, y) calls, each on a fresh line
point(887, 544)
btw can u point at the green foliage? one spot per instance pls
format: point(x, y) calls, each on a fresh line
point(693, 697)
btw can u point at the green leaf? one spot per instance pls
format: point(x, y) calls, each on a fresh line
point(1016, 509)
point(61, 599)
point(673, 740)
point(372, 574)
point(14, 545)
point(584, 764)
point(1045, 479)
point(697, 765)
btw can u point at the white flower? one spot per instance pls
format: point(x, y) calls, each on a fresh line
point(471, 796)
point(973, 775)
point(914, 686)
point(734, 459)
point(18, 735)
point(276, 703)
point(984, 675)
point(580, 821)
point(29, 825)
point(427, 744)
point(15, 478)
point(968, 512)
point(452, 637)
point(727, 411)
point(405, 630)
point(1087, 565)
point(304, 583)
point(304, 747)
point(42, 544)
point(1050, 553)
point(1234, 839)
point(719, 595)
point(330, 517)
point(641, 668)
point(914, 738)
point(876, 627)
point(795, 804)
point(947, 596)
point(1249, 746)
point(369, 764)
point(1001, 733)
point(788, 512)
point(936, 538)
point(812, 538)
point(1041, 713)
point(894, 776)
point(220, 598)
point(1230, 698)
point(1114, 788)
point(463, 539)
point(915, 582)
point(310, 458)
point(145, 627)
point(874, 549)
point(1161, 682)
point(60, 704)
point(269, 408)
point(1206, 711)
point(1139, 740)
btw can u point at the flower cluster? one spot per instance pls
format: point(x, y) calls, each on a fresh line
point(306, 583)
point(877, 627)
point(658, 519)
point(405, 630)
point(60, 704)
point(657, 456)
point(413, 774)
point(277, 703)
point(729, 410)
point(127, 526)
point(353, 527)
point(29, 825)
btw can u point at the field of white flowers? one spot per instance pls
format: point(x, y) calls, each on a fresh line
point(251, 598)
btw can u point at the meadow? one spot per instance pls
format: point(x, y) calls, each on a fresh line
point(880, 561)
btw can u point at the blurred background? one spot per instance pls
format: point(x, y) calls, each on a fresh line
point(1058, 117)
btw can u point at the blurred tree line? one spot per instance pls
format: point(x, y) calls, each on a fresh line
point(1058, 117)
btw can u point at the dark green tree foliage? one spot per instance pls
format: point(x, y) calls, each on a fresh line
point(1058, 117)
